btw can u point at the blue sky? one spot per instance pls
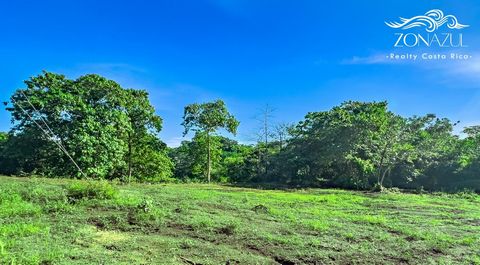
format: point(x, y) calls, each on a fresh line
point(296, 56)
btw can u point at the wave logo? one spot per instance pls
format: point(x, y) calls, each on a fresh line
point(431, 21)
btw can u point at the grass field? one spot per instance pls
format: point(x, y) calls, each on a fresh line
point(41, 223)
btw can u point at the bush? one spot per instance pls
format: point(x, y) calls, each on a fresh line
point(468, 194)
point(91, 190)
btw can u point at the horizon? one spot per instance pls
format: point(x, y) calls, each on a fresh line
point(297, 59)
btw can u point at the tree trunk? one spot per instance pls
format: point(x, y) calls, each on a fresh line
point(265, 156)
point(387, 171)
point(381, 175)
point(209, 163)
point(129, 158)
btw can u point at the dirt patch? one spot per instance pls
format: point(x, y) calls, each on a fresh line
point(437, 251)
point(256, 249)
point(278, 259)
point(410, 238)
point(112, 247)
point(260, 209)
point(111, 222)
point(284, 261)
point(398, 260)
point(180, 227)
point(311, 261)
point(187, 261)
point(474, 222)
point(226, 230)
point(232, 262)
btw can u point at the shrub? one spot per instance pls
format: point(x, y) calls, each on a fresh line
point(79, 190)
point(382, 189)
point(146, 205)
point(148, 215)
point(468, 194)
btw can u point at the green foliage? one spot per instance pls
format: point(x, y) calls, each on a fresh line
point(240, 163)
point(88, 189)
point(231, 161)
point(209, 117)
point(206, 119)
point(150, 161)
point(111, 132)
point(356, 145)
point(191, 158)
point(361, 145)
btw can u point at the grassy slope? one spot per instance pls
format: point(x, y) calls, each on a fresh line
point(209, 224)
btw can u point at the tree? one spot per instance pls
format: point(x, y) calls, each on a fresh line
point(330, 148)
point(282, 133)
point(264, 134)
point(352, 145)
point(230, 160)
point(101, 126)
point(150, 161)
point(190, 157)
point(433, 148)
point(142, 143)
point(208, 118)
point(3, 158)
point(467, 166)
point(384, 142)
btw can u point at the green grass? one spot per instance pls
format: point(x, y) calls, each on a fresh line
point(40, 223)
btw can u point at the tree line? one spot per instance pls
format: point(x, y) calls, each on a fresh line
point(112, 133)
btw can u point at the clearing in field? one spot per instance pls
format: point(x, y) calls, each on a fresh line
point(49, 221)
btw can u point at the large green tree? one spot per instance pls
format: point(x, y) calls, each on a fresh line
point(91, 120)
point(146, 156)
point(467, 173)
point(190, 157)
point(208, 118)
point(358, 145)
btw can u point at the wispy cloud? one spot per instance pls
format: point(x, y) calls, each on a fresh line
point(372, 59)
point(469, 69)
point(466, 71)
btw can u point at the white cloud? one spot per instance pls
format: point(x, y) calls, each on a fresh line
point(470, 67)
point(455, 71)
point(372, 59)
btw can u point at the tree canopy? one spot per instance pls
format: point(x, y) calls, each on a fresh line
point(63, 127)
point(206, 119)
point(106, 129)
